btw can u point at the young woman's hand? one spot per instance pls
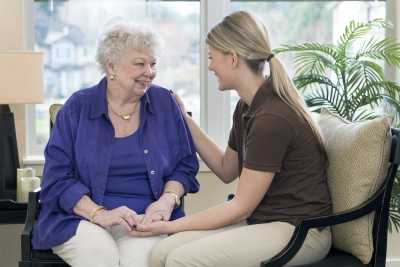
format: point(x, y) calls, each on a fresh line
point(180, 103)
point(152, 229)
point(122, 215)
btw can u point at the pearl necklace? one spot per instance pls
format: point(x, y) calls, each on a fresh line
point(124, 116)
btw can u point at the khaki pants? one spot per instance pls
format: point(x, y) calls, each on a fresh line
point(96, 246)
point(238, 245)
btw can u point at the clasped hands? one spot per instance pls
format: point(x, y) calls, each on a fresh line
point(154, 221)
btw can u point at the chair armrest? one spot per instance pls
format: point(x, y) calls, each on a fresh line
point(301, 231)
point(26, 236)
point(12, 212)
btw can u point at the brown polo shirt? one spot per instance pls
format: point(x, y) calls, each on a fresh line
point(269, 136)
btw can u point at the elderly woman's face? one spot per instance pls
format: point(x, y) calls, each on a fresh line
point(135, 71)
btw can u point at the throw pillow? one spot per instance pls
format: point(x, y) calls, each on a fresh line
point(358, 155)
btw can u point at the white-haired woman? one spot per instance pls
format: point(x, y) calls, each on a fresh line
point(274, 148)
point(120, 153)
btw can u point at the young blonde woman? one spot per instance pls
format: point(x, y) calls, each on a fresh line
point(274, 148)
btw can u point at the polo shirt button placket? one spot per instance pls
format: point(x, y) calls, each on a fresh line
point(146, 151)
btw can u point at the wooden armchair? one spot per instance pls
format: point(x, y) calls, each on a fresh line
point(379, 203)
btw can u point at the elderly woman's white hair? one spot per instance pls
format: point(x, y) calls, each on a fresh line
point(116, 39)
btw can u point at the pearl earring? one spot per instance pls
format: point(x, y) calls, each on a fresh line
point(112, 77)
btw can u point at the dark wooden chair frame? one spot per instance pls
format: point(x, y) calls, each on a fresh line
point(29, 256)
point(378, 203)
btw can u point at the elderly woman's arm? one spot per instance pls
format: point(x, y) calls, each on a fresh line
point(98, 215)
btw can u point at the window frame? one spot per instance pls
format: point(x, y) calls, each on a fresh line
point(215, 110)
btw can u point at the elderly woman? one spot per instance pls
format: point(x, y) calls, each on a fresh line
point(120, 154)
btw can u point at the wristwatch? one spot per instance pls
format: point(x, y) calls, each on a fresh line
point(175, 195)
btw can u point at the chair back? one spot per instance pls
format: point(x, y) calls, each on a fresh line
point(381, 220)
point(53, 110)
point(358, 154)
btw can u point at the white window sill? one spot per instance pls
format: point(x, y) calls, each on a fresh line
point(33, 160)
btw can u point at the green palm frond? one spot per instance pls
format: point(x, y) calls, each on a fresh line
point(394, 218)
point(313, 58)
point(311, 62)
point(328, 97)
point(303, 82)
point(329, 50)
point(386, 49)
point(393, 102)
point(356, 30)
point(364, 115)
point(361, 72)
point(394, 108)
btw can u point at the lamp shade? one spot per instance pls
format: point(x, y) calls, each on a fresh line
point(21, 77)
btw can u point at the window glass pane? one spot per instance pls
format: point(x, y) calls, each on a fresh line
point(295, 22)
point(67, 32)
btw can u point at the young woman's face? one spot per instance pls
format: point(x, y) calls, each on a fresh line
point(221, 64)
point(135, 71)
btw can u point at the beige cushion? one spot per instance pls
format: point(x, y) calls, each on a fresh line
point(358, 155)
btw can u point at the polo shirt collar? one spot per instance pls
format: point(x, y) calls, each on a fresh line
point(99, 108)
point(264, 92)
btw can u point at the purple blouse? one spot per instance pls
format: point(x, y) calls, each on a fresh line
point(78, 157)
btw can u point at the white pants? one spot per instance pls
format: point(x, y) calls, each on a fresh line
point(95, 246)
point(239, 245)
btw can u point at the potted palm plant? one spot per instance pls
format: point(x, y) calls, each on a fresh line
point(348, 79)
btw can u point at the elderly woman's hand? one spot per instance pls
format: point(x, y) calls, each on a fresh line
point(122, 215)
point(159, 210)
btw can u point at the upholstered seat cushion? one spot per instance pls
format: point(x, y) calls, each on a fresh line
point(358, 153)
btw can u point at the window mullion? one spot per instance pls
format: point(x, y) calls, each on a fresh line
point(393, 17)
point(215, 106)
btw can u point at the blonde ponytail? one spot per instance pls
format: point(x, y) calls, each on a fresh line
point(285, 89)
point(248, 36)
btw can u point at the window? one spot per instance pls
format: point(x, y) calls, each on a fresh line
point(67, 32)
point(295, 22)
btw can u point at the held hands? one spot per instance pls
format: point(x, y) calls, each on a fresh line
point(151, 223)
point(121, 215)
point(156, 218)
